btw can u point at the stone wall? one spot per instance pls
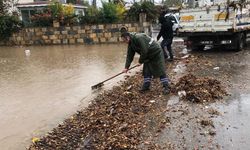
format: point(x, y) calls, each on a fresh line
point(88, 34)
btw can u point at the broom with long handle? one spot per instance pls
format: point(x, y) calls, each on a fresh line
point(102, 83)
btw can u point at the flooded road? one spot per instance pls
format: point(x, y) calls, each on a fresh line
point(45, 85)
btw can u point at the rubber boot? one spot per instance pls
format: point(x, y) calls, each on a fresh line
point(145, 87)
point(171, 58)
point(166, 89)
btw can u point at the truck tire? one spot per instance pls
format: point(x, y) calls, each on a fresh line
point(240, 41)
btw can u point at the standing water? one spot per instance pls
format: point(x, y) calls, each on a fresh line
point(41, 86)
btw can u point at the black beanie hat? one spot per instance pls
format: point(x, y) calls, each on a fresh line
point(124, 31)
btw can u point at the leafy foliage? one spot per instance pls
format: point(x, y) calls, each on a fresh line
point(9, 22)
point(145, 7)
point(91, 16)
point(42, 19)
point(5, 6)
point(68, 10)
point(69, 16)
point(132, 13)
point(150, 9)
point(120, 9)
point(55, 12)
point(8, 25)
point(110, 13)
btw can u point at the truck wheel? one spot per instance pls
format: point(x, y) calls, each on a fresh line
point(241, 42)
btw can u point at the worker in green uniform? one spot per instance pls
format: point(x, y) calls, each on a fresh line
point(151, 56)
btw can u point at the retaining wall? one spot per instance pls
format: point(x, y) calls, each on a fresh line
point(88, 34)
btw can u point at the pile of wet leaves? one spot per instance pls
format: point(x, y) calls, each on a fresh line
point(114, 120)
point(199, 89)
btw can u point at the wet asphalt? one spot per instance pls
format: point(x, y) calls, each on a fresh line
point(232, 68)
point(229, 128)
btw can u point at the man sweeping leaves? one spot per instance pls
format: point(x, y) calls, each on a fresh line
point(151, 56)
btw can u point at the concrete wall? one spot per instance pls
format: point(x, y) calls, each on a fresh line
point(88, 34)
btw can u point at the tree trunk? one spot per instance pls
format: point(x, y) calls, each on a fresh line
point(94, 3)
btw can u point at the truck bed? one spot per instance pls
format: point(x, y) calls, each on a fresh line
point(213, 19)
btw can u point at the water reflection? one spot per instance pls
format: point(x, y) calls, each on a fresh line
point(39, 90)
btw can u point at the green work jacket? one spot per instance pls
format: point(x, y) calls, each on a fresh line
point(150, 52)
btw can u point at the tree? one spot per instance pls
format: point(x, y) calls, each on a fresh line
point(145, 7)
point(5, 6)
point(94, 3)
point(108, 14)
point(9, 22)
point(8, 25)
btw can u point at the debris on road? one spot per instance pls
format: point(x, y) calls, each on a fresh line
point(200, 89)
point(114, 120)
point(123, 118)
point(216, 68)
point(207, 122)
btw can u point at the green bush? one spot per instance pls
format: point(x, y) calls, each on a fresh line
point(8, 25)
point(56, 10)
point(108, 13)
point(91, 16)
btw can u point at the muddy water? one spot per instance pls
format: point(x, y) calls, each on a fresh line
point(39, 88)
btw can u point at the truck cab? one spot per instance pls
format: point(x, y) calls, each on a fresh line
point(175, 21)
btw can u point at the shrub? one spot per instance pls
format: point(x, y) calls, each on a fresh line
point(108, 13)
point(55, 12)
point(42, 19)
point(120, 9)
point(8, 25)
point(68, 15)
point(91, 16)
